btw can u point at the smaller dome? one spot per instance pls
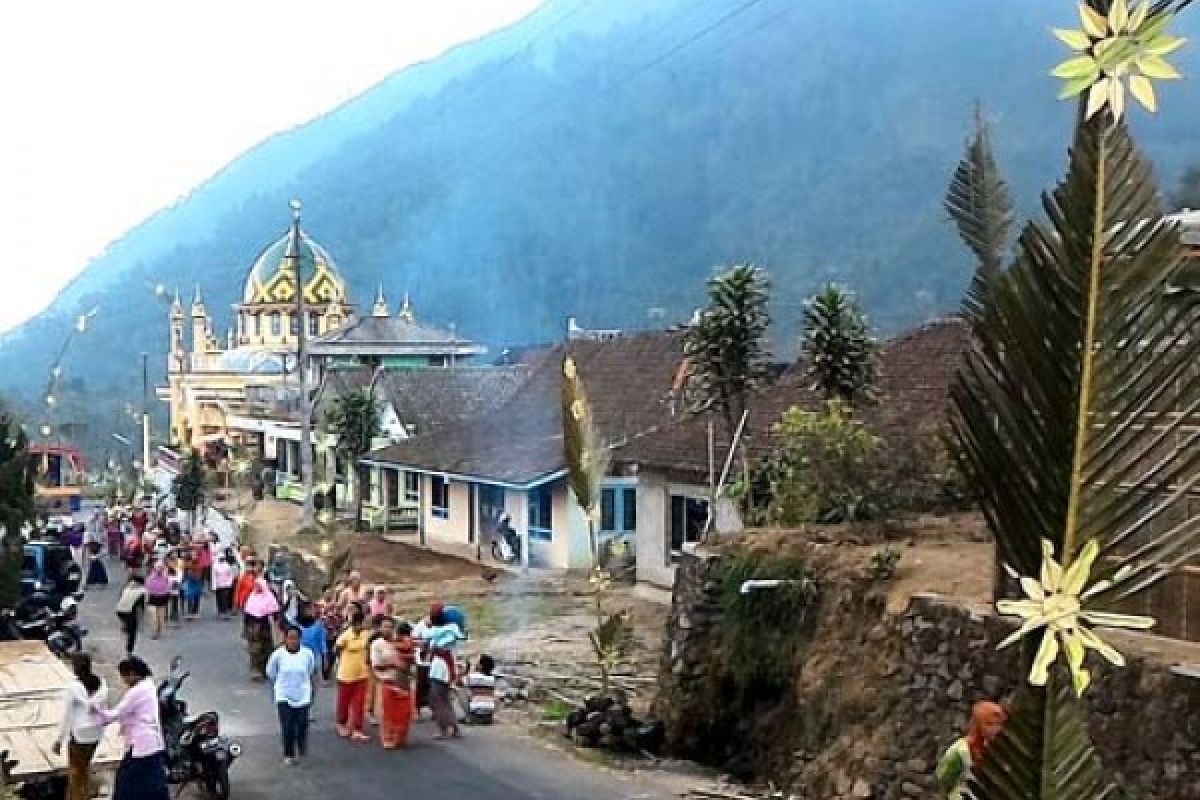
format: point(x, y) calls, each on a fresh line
point(325, 283)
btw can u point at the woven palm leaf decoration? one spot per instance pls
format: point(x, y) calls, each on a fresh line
point(586, 457)
point(1075, 343)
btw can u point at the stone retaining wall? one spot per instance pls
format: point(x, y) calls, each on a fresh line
point(879, 696)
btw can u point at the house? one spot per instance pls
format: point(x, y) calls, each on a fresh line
point(663, 459)
point(510, 461)
point(411, 402)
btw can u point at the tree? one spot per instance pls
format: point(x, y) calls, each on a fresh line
point(355, 420)
point(727, 347)
point(1188, 193)
point(1073, 344)
point(16, 505)
point(979, 202)
point(840, 354)
point(189, 486)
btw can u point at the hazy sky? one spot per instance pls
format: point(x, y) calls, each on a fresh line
point(113, 109)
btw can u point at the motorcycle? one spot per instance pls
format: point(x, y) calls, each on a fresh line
point(506, 544)
point(196, 750)
point(15, 627)
point(65, 634)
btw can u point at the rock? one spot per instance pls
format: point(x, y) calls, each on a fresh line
point(861, 789)
point(955, 690)
point(911, 790)
point(918, 766)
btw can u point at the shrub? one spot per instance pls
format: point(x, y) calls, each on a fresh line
point(827, 468)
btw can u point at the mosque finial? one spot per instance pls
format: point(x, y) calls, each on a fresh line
point(197, 301)
point(381, 307)
point(406, 312)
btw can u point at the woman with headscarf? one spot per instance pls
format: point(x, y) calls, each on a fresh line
point(261, 608)
point(987, 720)
point(353, 592)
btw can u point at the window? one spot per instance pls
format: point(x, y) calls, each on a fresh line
point(276, 323)
point(314, 323)
point(412, 487)
point(439, 500)
point(541, 514)
point(618, 510)
point(688, 517)
point(256, 324)
point(294, 324)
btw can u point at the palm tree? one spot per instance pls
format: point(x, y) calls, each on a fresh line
point(840, 354)
point(16, 505)
point(979, 202)
point(355, 420)
point(1084, 334)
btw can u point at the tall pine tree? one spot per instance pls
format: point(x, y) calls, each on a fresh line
point(840, 354)
point(727, 345)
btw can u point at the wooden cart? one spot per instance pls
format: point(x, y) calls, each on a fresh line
point(32, 680)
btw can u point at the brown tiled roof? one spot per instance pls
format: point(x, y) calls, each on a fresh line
point(630, 385)
point(628, 382)
point(916, 370)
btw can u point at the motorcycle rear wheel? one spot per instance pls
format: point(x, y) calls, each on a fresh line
point(217, 782)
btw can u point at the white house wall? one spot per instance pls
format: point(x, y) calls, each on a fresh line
point(652, 541)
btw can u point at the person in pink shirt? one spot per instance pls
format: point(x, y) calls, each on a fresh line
point(142, 774)
point(380, 605)
point(202, 553)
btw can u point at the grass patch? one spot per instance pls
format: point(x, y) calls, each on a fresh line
point(556, 711)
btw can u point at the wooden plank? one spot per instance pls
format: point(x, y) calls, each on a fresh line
point(32, 680)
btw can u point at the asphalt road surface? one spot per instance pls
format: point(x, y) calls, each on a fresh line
point(493, 763)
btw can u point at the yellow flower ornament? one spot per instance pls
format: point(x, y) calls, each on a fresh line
point(1056, 603)
point(1123, 48)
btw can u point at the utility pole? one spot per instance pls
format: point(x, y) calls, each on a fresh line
point(306, 466)
point(145, 420)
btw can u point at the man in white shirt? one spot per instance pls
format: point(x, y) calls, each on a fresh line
point(292, 670)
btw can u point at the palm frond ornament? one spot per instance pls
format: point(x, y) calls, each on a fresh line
point(586, 457)
point(1078, 346)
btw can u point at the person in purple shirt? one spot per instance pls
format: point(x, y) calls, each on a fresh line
point(142, 774)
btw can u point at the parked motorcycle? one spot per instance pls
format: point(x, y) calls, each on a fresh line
point(15, 626)
point(506, 544)
point(64, 633)
point(196, 750)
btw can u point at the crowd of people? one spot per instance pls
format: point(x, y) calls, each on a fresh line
point(168, 571)
point(386, 670)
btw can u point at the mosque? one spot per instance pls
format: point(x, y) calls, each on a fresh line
point(212, 379)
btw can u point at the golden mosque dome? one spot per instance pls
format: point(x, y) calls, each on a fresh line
point(272, 279)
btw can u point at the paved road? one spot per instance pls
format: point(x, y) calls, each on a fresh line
point(488, 764)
